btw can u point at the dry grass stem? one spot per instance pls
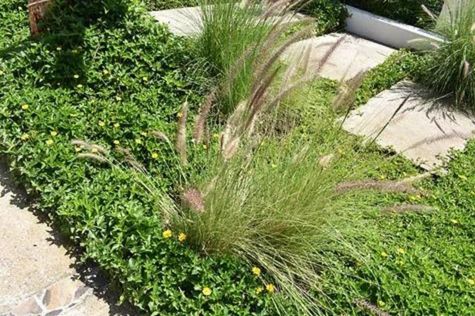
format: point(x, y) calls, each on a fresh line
point(180, 144)
point(374, 185)
point(408, 208)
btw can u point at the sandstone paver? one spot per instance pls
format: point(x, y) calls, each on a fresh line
point(409, 120)
point(345, 61)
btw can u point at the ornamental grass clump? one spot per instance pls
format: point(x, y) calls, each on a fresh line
point(450, 70)
point(230, 31)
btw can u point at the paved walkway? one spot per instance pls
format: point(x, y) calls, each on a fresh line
point(37, 275)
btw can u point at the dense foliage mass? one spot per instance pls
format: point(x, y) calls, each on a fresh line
point(103, 72)
point(107, 74)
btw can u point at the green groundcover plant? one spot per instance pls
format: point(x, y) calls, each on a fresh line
point(106, 73)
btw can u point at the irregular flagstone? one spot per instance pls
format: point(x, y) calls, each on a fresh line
point(188, 21)
point(36, 275)
point(406, 119)
point(353, 55)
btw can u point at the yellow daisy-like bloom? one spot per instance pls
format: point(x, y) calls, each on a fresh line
point(270, 288)
point(167, 233)
point(105, 72)
point(154, 156)
point(25, 106)
point(259, 290)
point(182, 237)
point(145, 79)
point(116, 142)
point(116, 125)
point(471, 281)
point(49, 142)
point(76, 76)
point(53, 133)
point(24, 137)
point(138, 141)
point(207, 291)
point(401, 251)
point(384, 254)
point(256, 271)
point(102, 123)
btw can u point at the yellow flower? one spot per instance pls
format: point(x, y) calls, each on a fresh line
point(167, 233)
point(102, 123)
point(24, 137)
point(154, 156)
point(207, 291)
point(256, 271)
point(138, 141)
point(143, 133)
point(94, 150)
point(401, 251)
point(76, 76)
point(145, 79)
point(105, 72)
point(205, 147)
point(116, 142)
point(53, 133)
point(182, 237)
point(259, 290)
point(274, 165)
point(116, 125)
point(471, 281)
point(49, 142)
point(382, 177)
point(384, 254)
point(25, 107)
point(270, 288)
point(179, 114)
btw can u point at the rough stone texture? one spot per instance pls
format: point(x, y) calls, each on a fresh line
point(422, 130)
point(187, 21)
point(352, 56)
point(29, 260)
point(36, 275)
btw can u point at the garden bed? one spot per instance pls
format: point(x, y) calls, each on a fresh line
point(117, 79)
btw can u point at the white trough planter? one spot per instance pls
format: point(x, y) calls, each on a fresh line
point(389, 32)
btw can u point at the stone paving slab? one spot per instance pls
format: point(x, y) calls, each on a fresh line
point(37, 276)
point(188, 21)
point(423, 130)
point(352, 56)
